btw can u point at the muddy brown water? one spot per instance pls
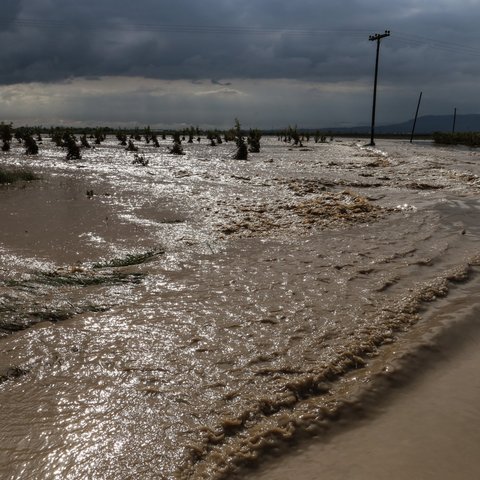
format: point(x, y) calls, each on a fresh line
point(419, 420)
point(265, 287)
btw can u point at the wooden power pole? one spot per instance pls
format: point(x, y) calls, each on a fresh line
point(377, 37)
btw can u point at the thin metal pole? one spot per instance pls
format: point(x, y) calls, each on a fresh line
point(376, 37)
point(454, 119)
point(416, 115)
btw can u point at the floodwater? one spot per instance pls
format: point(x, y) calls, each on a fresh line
point(419, 422)
point(182, 319)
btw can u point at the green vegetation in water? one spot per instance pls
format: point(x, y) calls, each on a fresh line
point(57, 278)
point(11, 175)
point(130, 259)
point(17, 315)
point(470, 139)
point(86, 280)
point(30, 300)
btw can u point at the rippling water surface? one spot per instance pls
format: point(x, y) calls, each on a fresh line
point(187, 315)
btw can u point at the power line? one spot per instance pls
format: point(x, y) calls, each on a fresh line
point(176, 28)
point(401, 38)
point(449, 47)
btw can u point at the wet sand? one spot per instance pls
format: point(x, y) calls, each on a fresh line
point(191, 315)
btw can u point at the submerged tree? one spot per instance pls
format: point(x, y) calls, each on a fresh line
point(122, 138)
point(242, 150)
point(147, 133)
point(73, 150)
point(177, 148)
point(211, 138)
point(131, 146)
point(84, 141)
point(155, 141)
point(319, 137)
point(295, 136)
point(100, 136)
point(31, 147)
point(253, 140)
point(6, 135)
point(57, 137)
point(140, 160)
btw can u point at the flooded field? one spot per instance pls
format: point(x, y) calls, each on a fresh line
point(181, 319)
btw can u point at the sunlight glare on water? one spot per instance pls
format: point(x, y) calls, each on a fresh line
point(189, 312)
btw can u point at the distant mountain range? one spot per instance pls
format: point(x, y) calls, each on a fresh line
point(425, 125)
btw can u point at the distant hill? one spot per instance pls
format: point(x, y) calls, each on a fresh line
point(425, 125)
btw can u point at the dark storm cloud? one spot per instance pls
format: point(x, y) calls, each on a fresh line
point(271, 62)
point(52, 40)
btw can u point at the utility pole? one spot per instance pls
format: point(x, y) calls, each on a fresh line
point(416, 115)
point(377, 37)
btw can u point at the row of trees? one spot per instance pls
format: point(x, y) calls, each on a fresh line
point(291, 134)
point(66, 138)
point(246, 142)
point(23, 134)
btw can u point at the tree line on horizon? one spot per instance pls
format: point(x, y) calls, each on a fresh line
point(73, 139)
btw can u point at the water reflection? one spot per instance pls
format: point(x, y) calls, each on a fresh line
point(276, 279)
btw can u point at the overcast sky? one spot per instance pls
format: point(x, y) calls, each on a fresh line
point(270, 63)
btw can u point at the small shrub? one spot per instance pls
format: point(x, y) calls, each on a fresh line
point(31, 147)
point(140, 160)
point(242, 150)
point(73, 150)
point(131, 147)
point(84, 141)
point(177, 148)
point(6, 133)
point(100, 136)
point(122, 138)
point(253, 140)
